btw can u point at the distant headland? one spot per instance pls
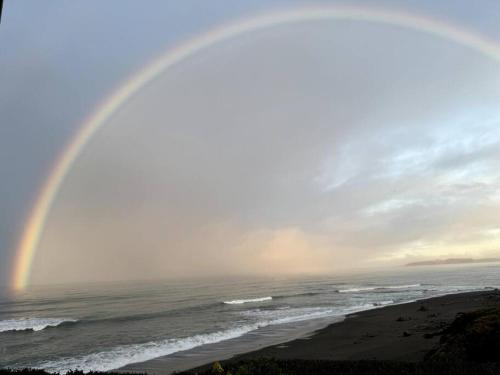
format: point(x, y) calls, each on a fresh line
point(437, 262)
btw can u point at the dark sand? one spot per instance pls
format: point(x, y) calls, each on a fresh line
point(403, 332)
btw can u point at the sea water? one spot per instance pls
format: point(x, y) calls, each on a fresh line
point(108, 326)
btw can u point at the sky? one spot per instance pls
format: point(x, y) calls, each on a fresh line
point(313, 147)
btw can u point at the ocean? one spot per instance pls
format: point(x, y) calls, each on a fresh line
point(108, 326)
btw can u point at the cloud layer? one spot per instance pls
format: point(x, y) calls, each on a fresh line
point(305, 148)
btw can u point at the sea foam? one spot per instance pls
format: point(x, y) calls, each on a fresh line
point(127, 354)
point(32, 324)
point(250, 300)
point(290, 315)
point(367, 289)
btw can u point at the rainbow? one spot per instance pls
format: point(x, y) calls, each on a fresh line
point(35, 224)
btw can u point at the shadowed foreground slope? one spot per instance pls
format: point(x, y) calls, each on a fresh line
point(304, 367)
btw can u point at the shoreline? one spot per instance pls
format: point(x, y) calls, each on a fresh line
point(401, 332)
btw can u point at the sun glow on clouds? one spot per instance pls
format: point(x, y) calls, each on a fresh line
point(453, 176)
point(289, 250)
point(484, 248)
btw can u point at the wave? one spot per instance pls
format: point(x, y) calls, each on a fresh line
point(124, 355)
point(367, 289)
point(288, 315)
point(250, 300)
point(305, 294)
point(355, 290)
point(127, 354)
point(292, 315)
point(442, 291)
point(32, 324)
point(401, 286)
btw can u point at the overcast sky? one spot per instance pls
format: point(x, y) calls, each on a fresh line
point(303, 148)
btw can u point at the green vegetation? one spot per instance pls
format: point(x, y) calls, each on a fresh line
point(42, 372)
point(265, 366)
point(473, 337)
point(304, 367)
point(217, 369)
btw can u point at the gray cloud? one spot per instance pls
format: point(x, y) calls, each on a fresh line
point(208, 175)
point(299, 148)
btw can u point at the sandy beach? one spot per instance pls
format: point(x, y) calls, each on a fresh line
point(405, 332)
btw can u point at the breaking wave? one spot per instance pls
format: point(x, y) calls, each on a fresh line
point(250, 300)
point(305, 294)
point(123, 355)
point(127, 354)
point(367, 289)
point(288, 315)
point(32, 324)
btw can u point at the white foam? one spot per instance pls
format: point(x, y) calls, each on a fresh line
point(455, 289)
point(126, 354)
point(250, 300)
point(366, 289)
point(359, 308)
point(409, 286)
point(291, 315)
point(355, 290)
point(34, 324)
point(281, 316)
